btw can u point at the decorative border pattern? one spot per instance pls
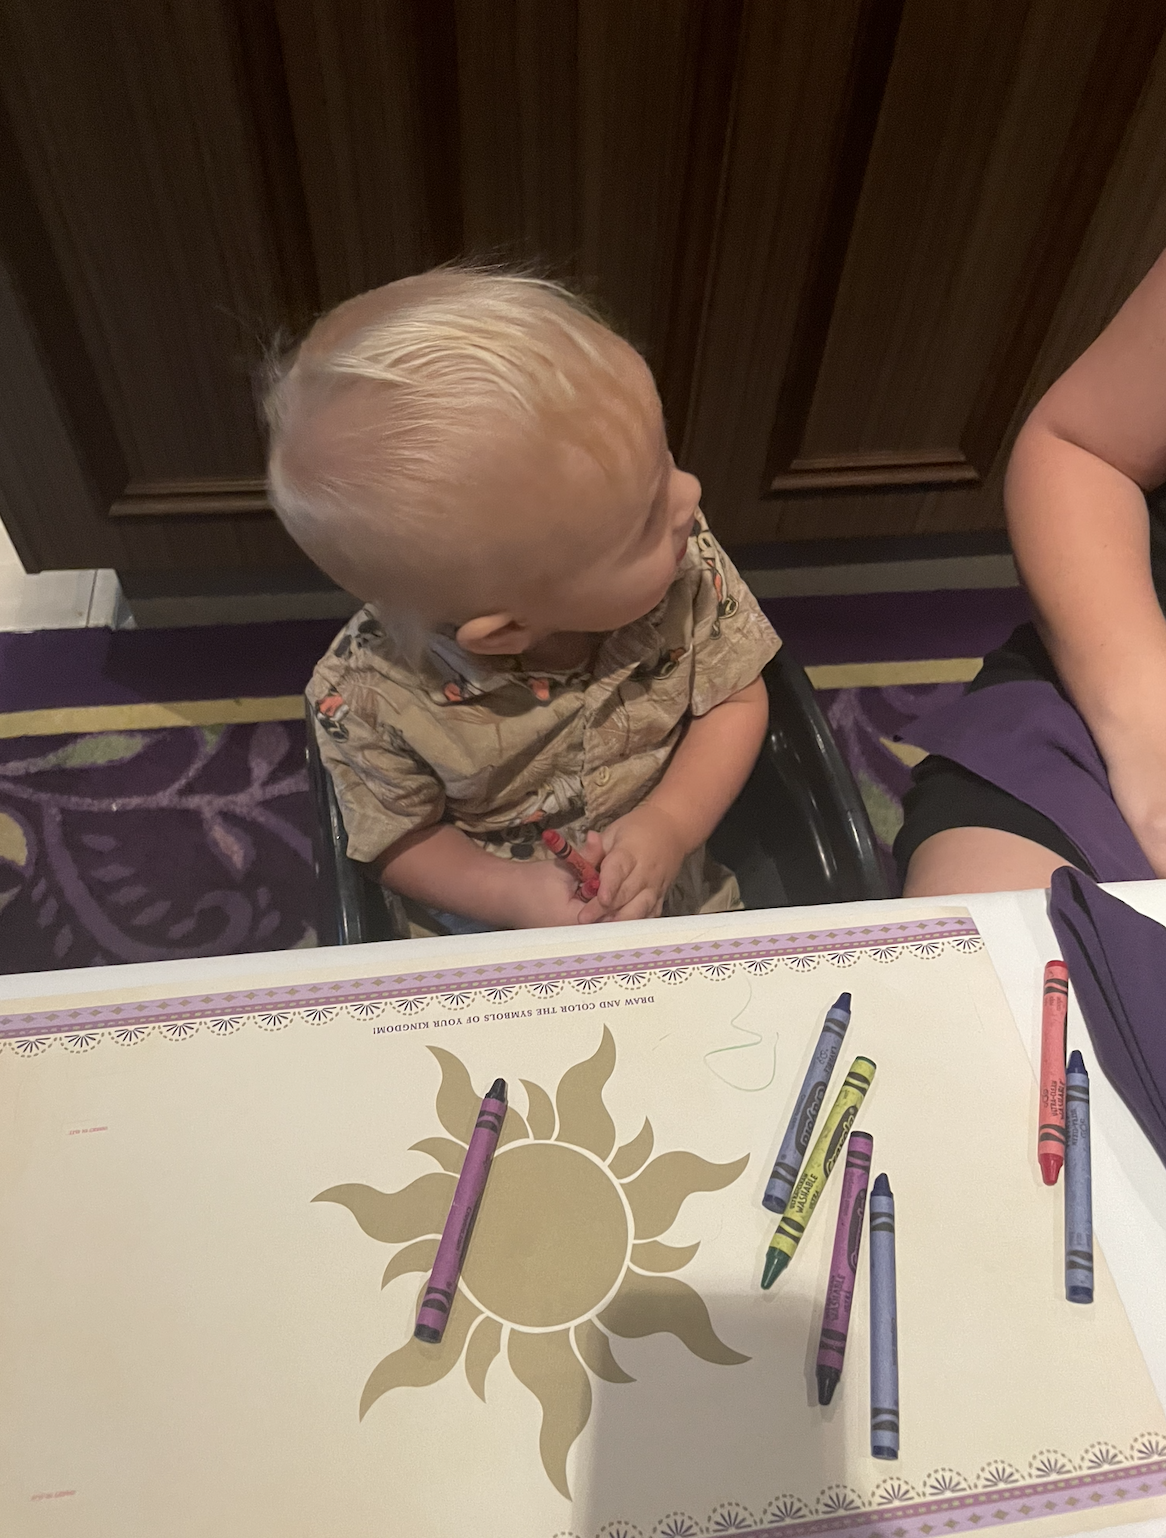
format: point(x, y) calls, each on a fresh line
point(408, 993)
point(1056, 1485)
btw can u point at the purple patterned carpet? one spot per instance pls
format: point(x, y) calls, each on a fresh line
point(144, 846)
point(864, 723)
point(195, 841)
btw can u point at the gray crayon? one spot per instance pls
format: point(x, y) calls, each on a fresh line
point(1078, 1185)
point(884, 1324)
point(788, 1165)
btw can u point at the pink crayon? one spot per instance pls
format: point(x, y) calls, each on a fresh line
point(433, 1315)
point(843, 1264)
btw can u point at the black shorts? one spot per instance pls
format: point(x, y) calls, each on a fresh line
point(945, 795)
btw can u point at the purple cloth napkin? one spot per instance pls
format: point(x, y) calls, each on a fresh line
point(1117, 965)
point(1025, 738)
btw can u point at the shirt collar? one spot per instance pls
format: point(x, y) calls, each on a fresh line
point(462, 676)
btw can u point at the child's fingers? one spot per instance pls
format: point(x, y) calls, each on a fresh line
point(592, 912)
point(617, 878)
point(593, 850)
point(644, 905)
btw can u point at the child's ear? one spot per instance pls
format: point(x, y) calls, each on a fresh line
point(495, 635)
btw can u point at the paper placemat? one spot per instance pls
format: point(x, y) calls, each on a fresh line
point(217, 1211)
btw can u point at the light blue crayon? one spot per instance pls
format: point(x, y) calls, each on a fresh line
point(1078, 1185)
point(884, 1324)
point(801, 1124)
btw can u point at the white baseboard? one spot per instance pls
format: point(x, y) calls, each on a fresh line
point(59, 600)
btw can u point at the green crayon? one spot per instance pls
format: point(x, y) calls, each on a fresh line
point(812, 1181)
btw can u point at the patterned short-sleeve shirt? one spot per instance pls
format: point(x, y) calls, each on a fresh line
point(502, 753)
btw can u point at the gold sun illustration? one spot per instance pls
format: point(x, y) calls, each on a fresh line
point(566, 1250)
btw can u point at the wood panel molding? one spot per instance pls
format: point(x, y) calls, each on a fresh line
point(229, 495)
point(877, 470)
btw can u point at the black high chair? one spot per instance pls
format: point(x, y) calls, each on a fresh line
point(797, 834)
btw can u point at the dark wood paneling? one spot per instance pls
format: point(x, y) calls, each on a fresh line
point(372, 86)
point(848, 234)
point(884, 395)
point(872, 51)
point(45, 490)
point(639, 73)
point(145, 172)
point(1129, 37)
point(262, 74)
point(518, 87)
point(592, 147)
point(989, 116)
point(789, 114)
point(718, 43)
point(61, 459)
point(141, 156)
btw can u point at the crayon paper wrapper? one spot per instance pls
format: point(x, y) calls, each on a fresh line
point(217, 1214)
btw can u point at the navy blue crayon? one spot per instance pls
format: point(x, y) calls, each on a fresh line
point(884, 1324)
point(1078, 1185)
point(801, 1124)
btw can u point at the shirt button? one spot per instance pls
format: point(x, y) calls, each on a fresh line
point(602, 775)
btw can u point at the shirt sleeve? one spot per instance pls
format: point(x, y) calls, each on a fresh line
point(385, 789)
point(732, 639)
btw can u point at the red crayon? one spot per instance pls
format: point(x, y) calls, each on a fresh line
point(1050, 1138)
point(587, 874)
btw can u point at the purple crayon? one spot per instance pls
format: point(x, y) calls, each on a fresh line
point(843, 1264)
point(433, 1315)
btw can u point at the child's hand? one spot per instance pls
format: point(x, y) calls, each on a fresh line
point(543, 893)
point(641, 854)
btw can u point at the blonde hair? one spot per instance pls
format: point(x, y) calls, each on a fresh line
point(400, 401)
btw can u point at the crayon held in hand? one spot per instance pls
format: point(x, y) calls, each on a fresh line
point(1050, 1138)
point(586, 872)
point(843, 1264)
point(884, 1324)
point(1078, 1185)
point(801, 1124)
point(433, 1315)
point(812, 1181)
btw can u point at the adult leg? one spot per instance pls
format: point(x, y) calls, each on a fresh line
point(970, 859)
point(961, 833)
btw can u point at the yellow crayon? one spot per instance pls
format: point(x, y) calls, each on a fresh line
point(812, 1181)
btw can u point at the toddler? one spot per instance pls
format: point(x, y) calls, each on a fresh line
point(551, 637)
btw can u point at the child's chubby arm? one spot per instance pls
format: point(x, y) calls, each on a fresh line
point(442, 868)
point(1077, 516)
point(643, 851)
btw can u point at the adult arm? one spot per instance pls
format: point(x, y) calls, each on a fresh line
point(1077, 515)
